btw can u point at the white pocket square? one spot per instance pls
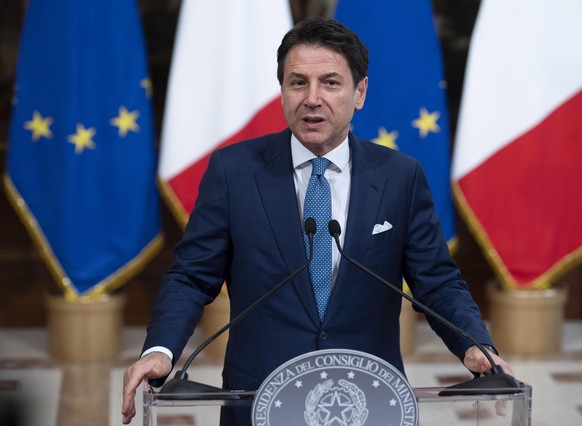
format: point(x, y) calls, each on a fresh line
point(379, 228)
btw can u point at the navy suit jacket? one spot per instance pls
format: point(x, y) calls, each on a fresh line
point(246, 230)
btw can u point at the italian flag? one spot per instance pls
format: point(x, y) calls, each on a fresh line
point(518, 151)
point(222, 88)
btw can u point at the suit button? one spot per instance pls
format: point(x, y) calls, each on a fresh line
point(322, 335)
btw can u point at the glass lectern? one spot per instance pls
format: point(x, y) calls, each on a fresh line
point(509, 407)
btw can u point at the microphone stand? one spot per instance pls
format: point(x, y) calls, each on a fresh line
point(180, 383)
point(498, 382)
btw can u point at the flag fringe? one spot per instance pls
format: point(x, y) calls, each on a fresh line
point(173, 203)
point(108, 285)
point(542, 282)
point(453, 244)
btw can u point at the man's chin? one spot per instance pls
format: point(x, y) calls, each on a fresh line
point(318, 147)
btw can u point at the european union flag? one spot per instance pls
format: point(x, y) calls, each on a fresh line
point(81, 159)
point(406, 102)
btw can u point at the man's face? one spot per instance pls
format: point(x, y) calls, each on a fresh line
point(318, 96)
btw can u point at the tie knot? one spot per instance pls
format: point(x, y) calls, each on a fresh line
point(319, 164)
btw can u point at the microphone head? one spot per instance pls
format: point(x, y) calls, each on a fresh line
point(310, 226)
point(334, 227)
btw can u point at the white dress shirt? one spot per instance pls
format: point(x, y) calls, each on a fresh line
point(338, 174)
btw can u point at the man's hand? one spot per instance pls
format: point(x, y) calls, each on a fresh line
point(476, 361)
point(152, 366)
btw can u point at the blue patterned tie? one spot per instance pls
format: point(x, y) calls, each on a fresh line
point(318, 206)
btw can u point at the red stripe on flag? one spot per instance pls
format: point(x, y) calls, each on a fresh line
point(528, 198)
point(268, 120)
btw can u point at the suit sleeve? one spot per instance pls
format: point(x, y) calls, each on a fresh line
point(433, 276)
point(200, 266)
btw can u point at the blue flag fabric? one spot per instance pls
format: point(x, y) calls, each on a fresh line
point(81, 159)
point(406, 101)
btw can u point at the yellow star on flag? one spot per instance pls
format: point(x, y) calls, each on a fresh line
point(39, 126)
point(83, 138)
point(146, 83)
point(427, 122)
point(125, 121)
point(385, 138)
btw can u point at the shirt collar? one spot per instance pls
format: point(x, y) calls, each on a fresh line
point(339, 156)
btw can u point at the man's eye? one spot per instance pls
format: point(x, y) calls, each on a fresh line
point(332, 82)
point(297, 83)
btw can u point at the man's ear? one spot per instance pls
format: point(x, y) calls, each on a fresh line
point(360, 93)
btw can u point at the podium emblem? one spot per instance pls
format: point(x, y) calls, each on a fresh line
point(335, 387)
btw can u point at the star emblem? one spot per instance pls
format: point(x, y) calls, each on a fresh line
point(323, 375)
point(335, 409)
point(386, 138)
point(39, 126)
point(298, 384)
point(83, 138)
point(427, 122)
point(125, 121)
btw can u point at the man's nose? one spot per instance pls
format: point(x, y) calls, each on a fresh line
point(313, 98)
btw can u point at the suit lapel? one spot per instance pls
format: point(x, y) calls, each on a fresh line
point(277, 190)
point(366, 191)
point(367, 188)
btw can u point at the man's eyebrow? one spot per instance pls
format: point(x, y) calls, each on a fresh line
point(321, 77)
point(330, 75)
point(297, 74)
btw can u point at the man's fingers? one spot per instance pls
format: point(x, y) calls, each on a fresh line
point(129, 415)
point(476, 361)
point(151, 366)
point(130, 383)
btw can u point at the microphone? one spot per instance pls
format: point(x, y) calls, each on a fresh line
point(180, 383)
point(498, 382)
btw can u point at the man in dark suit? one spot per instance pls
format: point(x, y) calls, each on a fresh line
point(247, 229)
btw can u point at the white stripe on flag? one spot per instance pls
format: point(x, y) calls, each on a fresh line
point(223, 72)
point(521, 66)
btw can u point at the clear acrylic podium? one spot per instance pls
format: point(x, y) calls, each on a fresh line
point(502, 409)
